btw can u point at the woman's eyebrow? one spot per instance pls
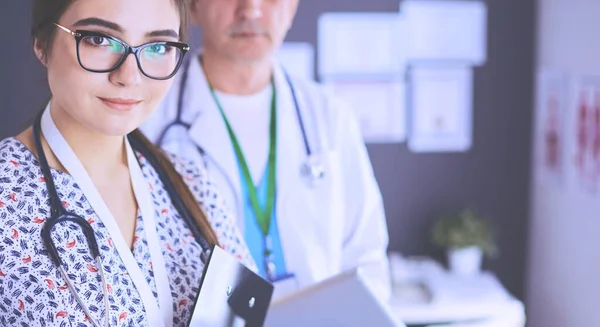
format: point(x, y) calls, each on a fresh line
point(167, 32)
point(95, 21)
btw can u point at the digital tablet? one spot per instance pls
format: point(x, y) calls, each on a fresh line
point(343, 300)
point(230, 294)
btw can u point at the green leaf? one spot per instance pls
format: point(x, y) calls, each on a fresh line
point(465, 229)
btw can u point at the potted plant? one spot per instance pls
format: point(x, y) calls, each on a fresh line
point(467, 237)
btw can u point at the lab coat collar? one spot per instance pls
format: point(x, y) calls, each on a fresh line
point(290, 148)
point(290, 156)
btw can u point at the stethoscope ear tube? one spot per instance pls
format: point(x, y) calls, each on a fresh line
point(55, 203)
point(313, 170)
point(307, 147)
point(178, 120)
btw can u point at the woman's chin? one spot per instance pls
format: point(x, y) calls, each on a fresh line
point(117, 130)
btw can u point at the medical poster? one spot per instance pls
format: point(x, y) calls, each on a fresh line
point(379, 106)
point(585, 154)
point(550, 124)
point(440, 108)
point(298, 59)
point(351, 44)
point(446, 30)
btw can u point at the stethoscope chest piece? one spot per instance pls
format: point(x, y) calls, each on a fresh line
point(313, 170)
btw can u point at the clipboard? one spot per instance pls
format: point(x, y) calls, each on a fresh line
point(230, 295)
point(342, 300)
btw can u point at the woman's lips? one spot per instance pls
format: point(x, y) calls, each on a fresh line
point(120, 104)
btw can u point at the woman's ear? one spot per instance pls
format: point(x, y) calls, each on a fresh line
point(40, 52)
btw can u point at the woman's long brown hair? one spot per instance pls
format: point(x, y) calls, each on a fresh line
point(181, 189)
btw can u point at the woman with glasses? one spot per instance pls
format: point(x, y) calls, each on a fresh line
point(92, 230)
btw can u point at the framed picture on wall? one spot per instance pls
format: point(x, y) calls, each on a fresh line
point(440, 101)
point(585, 135)
point(550, 127)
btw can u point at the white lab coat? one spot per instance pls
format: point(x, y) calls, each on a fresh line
point(339, 224)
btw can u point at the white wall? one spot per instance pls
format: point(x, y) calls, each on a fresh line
point(564, 254)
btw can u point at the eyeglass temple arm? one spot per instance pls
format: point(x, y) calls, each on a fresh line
point(66, 30)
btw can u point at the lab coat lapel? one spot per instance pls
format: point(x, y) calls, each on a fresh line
point(290, 155)
point(208, 131)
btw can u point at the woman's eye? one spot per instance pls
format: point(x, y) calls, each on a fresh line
point(157, 49)
point(103, 42)
point(99, 40)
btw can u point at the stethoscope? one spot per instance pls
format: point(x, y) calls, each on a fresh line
point(59, 214)
point(312, 170)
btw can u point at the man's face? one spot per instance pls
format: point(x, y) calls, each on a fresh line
point(243, 30)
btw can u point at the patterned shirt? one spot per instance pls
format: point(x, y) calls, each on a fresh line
point(32, 289)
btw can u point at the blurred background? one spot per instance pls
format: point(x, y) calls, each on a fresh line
point(490, 105)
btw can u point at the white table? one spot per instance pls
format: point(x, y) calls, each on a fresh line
point(510, 313)
point(441, 299)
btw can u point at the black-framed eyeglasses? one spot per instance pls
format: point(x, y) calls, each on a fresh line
point(101, 53)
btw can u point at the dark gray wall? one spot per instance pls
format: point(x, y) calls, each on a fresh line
point(23, 87)
point(493, 176)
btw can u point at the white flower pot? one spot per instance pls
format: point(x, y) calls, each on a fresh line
point(465, 261)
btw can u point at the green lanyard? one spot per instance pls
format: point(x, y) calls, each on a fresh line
point(263, 216)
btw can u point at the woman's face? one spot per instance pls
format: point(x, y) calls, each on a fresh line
point(117, 102)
